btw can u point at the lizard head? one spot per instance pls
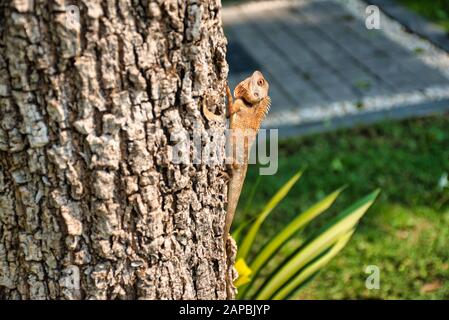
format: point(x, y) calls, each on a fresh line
point(253, 89)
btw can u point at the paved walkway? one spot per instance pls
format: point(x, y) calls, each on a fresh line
point(323, 64)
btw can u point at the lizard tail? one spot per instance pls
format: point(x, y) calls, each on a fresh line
point(234, 190)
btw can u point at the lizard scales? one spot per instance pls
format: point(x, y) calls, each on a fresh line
point(246, 114)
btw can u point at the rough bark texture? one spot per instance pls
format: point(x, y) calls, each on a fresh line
point(91, 207)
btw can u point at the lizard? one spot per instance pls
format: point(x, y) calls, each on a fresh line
point(245, 114)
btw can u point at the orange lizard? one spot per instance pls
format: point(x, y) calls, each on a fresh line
point(245, 115)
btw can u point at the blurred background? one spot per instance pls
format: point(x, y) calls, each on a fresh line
point(363, 107)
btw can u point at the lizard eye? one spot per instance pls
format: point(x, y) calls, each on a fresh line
point(260, 82)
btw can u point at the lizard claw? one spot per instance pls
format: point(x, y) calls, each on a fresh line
point(228, 90)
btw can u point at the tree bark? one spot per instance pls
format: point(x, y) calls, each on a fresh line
point(91, 205)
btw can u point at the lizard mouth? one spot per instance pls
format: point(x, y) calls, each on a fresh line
point(249, 103)
point(252, 99)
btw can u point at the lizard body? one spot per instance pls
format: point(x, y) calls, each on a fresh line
point(245, 114)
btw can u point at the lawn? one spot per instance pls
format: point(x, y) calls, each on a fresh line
point(406, 232)
point(434, 10)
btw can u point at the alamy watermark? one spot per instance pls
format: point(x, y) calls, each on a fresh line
point(214, 148)
point(373, 280)
point(372, 17)
point(72, 17)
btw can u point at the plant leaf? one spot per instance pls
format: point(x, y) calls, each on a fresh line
point(243, 271)
point(299, 222)
point(313, 268)
point(236, 235)
point(249, 238)
point(283, 236)
point(325, 239)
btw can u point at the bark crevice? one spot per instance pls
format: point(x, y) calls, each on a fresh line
point(91, 207)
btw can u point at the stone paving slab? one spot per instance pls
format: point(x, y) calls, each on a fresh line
point(412, 21)
point(322, 62)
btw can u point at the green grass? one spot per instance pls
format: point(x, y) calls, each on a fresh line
point(405, 233)
point(434, 10)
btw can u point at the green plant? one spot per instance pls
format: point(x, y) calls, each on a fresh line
point(435, 10)
point(309, 255)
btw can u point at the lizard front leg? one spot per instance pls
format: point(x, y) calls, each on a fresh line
point(232, 107)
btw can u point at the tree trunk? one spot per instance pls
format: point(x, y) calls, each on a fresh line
point(94, 97)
